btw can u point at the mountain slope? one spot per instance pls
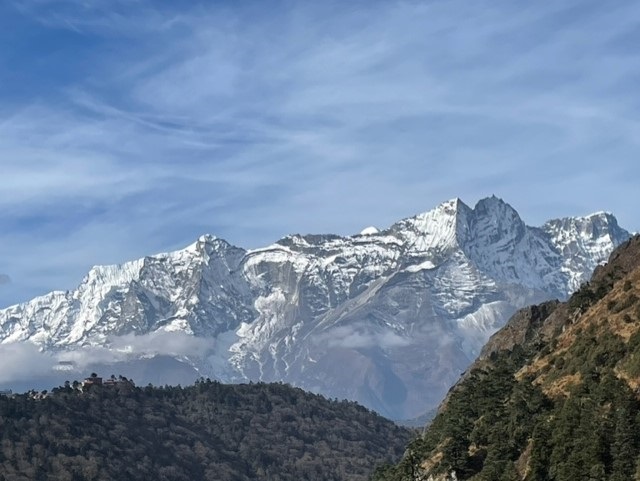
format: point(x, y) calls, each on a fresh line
point(553, 396)
point(360, 317)
point(209, 431)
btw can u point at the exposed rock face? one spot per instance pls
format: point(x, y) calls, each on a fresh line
point(388, 318)
point(539, 323)
point(523, 327)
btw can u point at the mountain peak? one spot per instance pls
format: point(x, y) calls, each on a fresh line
point(593, 227)
point(435, 231)
point(207, 238)
point(584, 242)
point(371, 230)
point(452, 206)
point(603, 214)
point(455, 201)
point(205, 245)
point(602, 217)
point(308, 308)
point(495, 205)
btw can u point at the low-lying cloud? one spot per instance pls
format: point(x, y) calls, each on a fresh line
point(163, 343)
point(123, 348)
point(358, 337)
point(24, 360)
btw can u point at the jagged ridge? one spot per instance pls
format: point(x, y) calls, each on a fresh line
point(360, 317)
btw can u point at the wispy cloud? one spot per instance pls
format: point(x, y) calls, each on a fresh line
point(162, 343)
point(252, 121)
point(361, 337)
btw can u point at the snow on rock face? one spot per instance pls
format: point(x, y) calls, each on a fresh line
point(583, 243)
point(501, 245)
point(160, 291)
point(436, 232)
point(369, 231)
point(388, 318)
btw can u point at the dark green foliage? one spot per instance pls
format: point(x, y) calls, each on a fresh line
point(591, 353)
point(590, 293)
point(209, 431)
point(490, 412)
point(628, 301)
point(585, 297)
point(491, 419)
point(631, 363)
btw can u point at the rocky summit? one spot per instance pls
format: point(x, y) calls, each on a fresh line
point(388, 317)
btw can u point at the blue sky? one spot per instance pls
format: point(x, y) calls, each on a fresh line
point(132, 127)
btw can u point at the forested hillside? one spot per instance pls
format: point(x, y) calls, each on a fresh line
point(209, 431)
point(555, 395)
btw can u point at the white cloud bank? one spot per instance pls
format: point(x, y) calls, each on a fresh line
point(361, 337)
point(25, 360)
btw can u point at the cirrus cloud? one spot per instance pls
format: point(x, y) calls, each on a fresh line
point(133, 128)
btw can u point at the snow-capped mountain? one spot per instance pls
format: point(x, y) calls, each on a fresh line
point(386, 317)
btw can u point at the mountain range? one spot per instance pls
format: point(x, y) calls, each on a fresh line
point(389, 318)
